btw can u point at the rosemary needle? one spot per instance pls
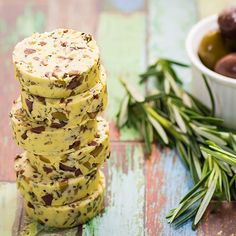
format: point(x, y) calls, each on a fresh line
point(177, 119)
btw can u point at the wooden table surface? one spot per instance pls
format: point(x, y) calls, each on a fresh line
point(131, 34)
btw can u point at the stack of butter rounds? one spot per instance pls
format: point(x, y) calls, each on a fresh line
point(57, 122)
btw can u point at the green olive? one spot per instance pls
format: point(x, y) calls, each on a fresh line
point(63, 185)
point(44, 159)
point(60, 116)
point(212, 48)
point(97, 150)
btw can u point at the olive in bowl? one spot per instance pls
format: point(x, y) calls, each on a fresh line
point(216, 45)
point(227, 65)
point(227, 22)
point(223, 87)
point(227, 25)
point(212, 48)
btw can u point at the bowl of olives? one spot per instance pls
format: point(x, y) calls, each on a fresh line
point(211, 48)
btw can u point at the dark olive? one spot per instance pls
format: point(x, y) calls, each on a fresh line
point(227, 66)
point(212, 48)
point(227, 22)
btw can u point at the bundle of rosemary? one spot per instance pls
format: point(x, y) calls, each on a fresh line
point(177, 119)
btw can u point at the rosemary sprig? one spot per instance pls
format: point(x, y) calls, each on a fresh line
point(177, 119)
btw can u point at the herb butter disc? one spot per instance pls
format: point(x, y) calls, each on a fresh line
point(76, 109)
point(69, 215)
point(77, 163)
point(57, 64)
point(36, 188)
point(39, 138)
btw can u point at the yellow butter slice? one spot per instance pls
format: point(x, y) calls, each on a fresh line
point(76, 109)
point(57, 64)
point(41, 190)
point(80, 162)
point(69, 215)
point(39, 138)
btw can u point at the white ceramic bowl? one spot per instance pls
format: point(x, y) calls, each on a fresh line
point(223, 88)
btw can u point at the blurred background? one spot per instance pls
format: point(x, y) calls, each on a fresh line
point(130, 33)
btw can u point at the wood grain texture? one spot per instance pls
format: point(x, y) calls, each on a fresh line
point(80, 15)
point(8, 207)
point(131, 34)
point(124, 212)
point(167, 31)
point(167, 181)
point(166, 178)
point(122, 42)
point(17, 20)
point(23, 19)
point(219, 220)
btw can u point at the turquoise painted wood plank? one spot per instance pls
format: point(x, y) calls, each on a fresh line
point(125, 200)
point(125, 171)
point(8, 206)
point(124, 213)
point(167, 181)
point(168, 28)
point(166, 178)
point(122, 44)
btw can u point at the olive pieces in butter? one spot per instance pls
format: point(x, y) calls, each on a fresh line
point(72, 214)
point(57, 64)
point(39, 138)
point(75, 110)
point(77, 163)
point(36, 188)
point(57, 122)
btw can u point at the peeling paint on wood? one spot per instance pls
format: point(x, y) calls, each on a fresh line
point(140, 192)
point(166, 182)
point(26, 23)
point(20, 20)
point(122, 44)
point(76, 14)
point(219, 220)
point(125, 197)
point(166, 178)
point(8, 206)
point(167, 30)
point(124, 213)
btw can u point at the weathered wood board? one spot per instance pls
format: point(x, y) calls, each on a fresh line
point(131, 34)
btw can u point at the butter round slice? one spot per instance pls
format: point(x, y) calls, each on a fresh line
point(57, 64)
point(39, 138)
point(76, 109)
point(78, 163)
point(36, 188)
point(69, 215)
